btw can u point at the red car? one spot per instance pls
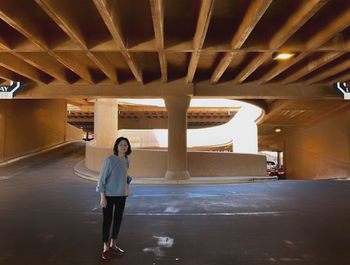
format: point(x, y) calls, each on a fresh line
point(272, 170)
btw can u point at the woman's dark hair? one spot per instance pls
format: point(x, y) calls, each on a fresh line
point(115, 149)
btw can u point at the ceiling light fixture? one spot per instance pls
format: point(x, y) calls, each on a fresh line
point(284, 56)
point(278, 130)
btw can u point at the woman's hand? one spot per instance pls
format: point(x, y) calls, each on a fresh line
point(103, 201)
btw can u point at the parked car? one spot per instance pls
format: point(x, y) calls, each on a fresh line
point(273, 170)
point(281, 174)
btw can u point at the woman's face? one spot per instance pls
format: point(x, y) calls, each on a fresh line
point(122, 147)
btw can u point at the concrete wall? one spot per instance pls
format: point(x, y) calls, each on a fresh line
point(73, 133)
point(209, 164)
point(95, 155)
point(153, 163)
point(321, 151)
point(28, 126)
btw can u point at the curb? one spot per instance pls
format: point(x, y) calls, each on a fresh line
point(81, 171)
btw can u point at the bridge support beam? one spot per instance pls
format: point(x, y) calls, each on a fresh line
point(177, 106)
point(106, 122)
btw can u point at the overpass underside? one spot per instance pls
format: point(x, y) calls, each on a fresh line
point(183, 50)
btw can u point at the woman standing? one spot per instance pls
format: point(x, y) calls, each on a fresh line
point(113, 188)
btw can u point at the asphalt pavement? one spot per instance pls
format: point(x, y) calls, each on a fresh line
point(48, 215)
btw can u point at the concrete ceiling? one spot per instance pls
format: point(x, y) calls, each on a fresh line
point(153, 117)
point(86, 49)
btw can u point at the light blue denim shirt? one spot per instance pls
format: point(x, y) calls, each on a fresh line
point(113, 176)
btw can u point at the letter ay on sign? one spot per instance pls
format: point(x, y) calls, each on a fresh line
point(12, 90)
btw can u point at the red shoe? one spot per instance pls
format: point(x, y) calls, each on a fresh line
point(106, 255)
point(117, 250)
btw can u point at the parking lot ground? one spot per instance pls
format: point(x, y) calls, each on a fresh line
point(48, 215)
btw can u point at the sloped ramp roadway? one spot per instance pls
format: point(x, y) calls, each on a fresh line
point(48, 215)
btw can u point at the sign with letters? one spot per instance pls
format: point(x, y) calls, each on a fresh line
point(12, 90)
point(342, 89)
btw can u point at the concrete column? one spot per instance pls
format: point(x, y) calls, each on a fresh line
point(177, 106)
point(279, 159)
point(106, 122)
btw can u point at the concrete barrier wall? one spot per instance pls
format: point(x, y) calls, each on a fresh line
point(28, 126)
point(208, 164)
point(94, 156)
point(320, 151)
point(73, 133)
point(153, 163)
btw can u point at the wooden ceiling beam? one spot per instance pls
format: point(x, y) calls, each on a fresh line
point(109, 13)
point(4, 72)
point(47, 65)
point(252, 90)
point(157, 9)
point(312, 66)
point(156, 89)
point(52, 68)
point(339, 24)
point(192, 66)
point(163, 65)
point(330, 72)
point(8, 75)
point(3, 44)
point(72, 62)
point(103, 63)
point(255, 12)
point(68, 25)
point(73, 65)
point(222, 66)
point(252, 66)
point(295, 22)
point(336, 26)
point(199, 37)
point(64, 21)
point(28, 30)
point(202, 23)
point(31, 33)
point(342, 78)
point(13, 63)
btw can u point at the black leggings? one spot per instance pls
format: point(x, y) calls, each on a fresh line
point(117, 203)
